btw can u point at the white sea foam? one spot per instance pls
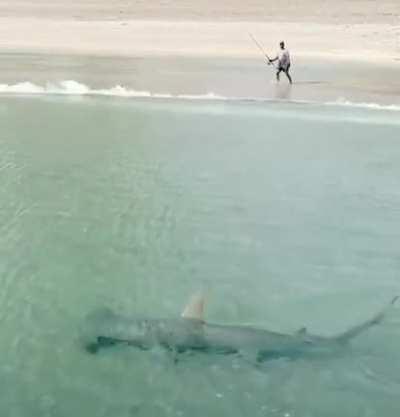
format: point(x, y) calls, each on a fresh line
point(373, 106)
point(70, 87)
point(74, 88)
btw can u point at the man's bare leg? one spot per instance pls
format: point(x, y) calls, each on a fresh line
point(288, 75)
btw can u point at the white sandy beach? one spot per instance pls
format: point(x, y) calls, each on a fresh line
point(317, 11)
point(357, 29)
point(372, 41)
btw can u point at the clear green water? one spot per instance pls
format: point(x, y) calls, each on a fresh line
point(288, 214)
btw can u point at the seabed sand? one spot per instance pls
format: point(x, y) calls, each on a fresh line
point(341, 51)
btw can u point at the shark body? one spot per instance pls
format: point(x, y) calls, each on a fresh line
point(191, 333)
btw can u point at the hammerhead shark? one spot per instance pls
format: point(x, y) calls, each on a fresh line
point(191, 332)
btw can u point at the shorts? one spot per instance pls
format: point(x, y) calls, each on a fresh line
point(284, 69)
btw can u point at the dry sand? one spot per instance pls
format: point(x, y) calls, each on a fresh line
point(311, 11)
point(355, 29)
point(134, 38)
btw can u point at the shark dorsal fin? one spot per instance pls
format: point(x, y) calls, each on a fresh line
point(195, 308)
point(302, 331)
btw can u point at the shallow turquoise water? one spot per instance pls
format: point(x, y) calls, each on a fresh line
point(289, 215)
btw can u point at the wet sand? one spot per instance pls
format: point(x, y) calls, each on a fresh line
point(315, 80)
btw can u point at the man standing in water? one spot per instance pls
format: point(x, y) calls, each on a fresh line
point(283, 59)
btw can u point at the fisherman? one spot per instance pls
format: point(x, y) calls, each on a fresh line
point(283, 59)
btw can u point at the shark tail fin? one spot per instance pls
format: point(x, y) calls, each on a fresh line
point(360, 328)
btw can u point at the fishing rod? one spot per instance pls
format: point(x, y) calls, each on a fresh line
point(260, 48)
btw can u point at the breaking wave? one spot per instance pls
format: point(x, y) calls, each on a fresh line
point(362, 105)
point(74, 88)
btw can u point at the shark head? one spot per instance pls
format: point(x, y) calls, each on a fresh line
point(109, 329)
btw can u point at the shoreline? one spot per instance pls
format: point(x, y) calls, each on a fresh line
point(69, 88)
point(229, 78)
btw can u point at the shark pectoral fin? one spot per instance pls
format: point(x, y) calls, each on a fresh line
point(249, 356)
point(195, 308)
point(302, 331)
